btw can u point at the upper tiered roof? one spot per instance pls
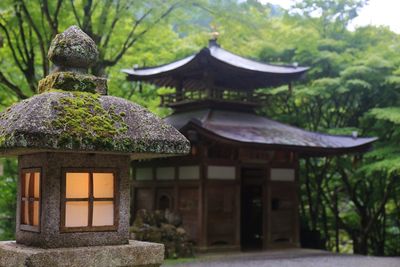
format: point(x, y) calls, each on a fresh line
point(220, 67)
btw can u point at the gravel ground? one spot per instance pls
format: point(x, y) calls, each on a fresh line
point(290, 258)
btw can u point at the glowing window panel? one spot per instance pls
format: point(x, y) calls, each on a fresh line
point(30, 200)
point(103, 185)
point(89, 201)
point(103, 213)
point(76, 213)
point(77, 185)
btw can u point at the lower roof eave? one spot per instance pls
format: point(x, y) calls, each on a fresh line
point(304, 151)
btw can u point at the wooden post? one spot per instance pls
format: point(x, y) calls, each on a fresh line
point(336, 219)
point(265, 209)
point(179, 89)
point(290, 88)
point(202, 211)
point(296, 163)
point(209, 80)
point(238, 206)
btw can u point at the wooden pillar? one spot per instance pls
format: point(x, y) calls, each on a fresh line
point(267, 208)
point(176, 190)
point(202, 211)
point(209, 81)
point(290, 87)
point(179, 89)
point(296, 230)
point(238, 206)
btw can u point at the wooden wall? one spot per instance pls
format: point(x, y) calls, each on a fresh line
point(210, 207)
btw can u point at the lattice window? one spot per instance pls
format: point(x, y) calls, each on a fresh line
point(30, 200)
point(89, 200)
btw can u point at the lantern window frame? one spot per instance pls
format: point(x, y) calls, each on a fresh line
point(30, 227)
point(91, 199)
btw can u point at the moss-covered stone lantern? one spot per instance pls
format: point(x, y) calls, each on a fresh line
point(74, 145)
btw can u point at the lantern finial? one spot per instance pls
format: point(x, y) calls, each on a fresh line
point(73, 49)
point(73, 52)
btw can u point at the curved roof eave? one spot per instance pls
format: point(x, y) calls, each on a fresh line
point(162, 69)
point(310, 151)
point(221, 55)
point(252, 65)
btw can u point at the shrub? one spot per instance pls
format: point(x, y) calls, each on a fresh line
point(162, 227)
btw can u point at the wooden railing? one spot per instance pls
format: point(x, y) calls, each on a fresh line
point(221, 95)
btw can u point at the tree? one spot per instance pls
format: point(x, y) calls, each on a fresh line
point(8, 182)
point(330, 17)
point(29, 26)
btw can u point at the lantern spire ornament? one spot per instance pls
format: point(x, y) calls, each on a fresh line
point(75, 145)
point(73, 52)
point(214, 33)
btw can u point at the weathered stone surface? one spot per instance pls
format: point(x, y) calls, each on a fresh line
point(134, 254)
point(86, 122)
point(72, 81)
point(73, 48)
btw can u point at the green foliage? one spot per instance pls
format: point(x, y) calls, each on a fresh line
point(353, 86)
point(391, 114)
point(8, 189)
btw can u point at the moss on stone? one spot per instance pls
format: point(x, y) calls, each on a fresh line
point(68, 81)
point(73, 48)
point(73, 111)
point(2, 140)
point(82, 119)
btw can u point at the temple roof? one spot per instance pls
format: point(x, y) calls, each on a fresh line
point(251, 129)
point(226, 70)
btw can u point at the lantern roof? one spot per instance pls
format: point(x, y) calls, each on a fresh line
point(74, 113)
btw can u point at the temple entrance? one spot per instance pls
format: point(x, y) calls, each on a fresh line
point(252, 209)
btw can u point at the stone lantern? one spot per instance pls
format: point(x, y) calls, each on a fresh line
point(74, 145)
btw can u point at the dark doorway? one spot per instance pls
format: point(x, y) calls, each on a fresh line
point(252, 209)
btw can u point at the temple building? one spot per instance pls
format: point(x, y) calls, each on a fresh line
point(239, 187)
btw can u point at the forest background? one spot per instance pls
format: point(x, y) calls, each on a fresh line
point(348, 203)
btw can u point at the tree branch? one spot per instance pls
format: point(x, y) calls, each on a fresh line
point(130, 40)
point(8, 37)
point(75, 14)
point(12, 86)
point(42, 45)
point(388, 190)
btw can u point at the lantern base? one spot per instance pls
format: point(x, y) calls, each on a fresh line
point(134, 254)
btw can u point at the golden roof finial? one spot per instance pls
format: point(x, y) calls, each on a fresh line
point(214, 33)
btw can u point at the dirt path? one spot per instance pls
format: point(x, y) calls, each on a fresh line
point(288, 258)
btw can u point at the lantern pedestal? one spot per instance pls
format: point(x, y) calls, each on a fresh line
point(134, 254)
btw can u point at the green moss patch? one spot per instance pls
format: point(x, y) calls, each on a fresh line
point(68, 81)
point(2, 140)
point(82, 119)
